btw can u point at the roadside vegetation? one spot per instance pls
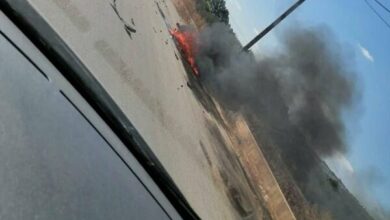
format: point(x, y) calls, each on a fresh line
point(201, 13)
point(213, 11)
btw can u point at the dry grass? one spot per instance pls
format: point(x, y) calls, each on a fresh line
point(187, 11)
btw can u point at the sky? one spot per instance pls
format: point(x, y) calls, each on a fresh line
point(367, 42)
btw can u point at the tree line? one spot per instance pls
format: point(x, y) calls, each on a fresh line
point(213, 10)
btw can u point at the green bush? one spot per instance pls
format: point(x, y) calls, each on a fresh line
point(213, 10)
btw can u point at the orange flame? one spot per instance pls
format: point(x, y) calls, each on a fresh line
point(186, 41)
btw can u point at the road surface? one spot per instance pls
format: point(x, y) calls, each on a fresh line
point(126, 45)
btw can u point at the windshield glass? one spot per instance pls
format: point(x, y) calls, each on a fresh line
point(53, 163)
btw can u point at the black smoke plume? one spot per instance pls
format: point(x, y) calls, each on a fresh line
point(299, 92)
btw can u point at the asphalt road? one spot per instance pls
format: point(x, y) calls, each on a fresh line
point(127, 47)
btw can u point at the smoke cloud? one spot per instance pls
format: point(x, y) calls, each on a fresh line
point(299, 92)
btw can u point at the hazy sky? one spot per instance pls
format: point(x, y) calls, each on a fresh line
point(366, 39)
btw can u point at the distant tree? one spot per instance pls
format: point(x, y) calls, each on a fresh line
point(213, 11)
point(218, 9)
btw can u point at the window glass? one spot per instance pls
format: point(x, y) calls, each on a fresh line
point(53, 163)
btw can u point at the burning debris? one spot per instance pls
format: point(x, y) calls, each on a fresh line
point(186, 41)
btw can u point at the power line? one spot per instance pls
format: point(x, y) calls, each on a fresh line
point(377, 14)
point(382, 5)
point(273, 24)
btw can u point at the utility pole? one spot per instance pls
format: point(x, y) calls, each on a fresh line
point(272, 25)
